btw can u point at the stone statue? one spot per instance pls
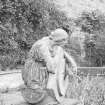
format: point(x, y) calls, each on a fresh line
point(45, 72)
point(59, 80)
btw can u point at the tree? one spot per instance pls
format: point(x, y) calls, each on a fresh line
point(93, 23)
point(22, 22)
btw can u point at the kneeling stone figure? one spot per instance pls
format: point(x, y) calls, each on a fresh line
point(44, 72)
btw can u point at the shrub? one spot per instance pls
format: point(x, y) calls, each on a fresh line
point(23, 22)
point(93, 23)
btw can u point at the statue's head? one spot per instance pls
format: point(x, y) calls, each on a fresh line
point(59, 36)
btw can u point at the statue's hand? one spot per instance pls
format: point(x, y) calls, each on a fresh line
point(74, 69)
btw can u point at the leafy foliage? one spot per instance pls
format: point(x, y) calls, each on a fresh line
point(89, 91)
point(93, 23)
point(22, 22)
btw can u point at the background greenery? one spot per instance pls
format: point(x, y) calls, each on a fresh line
point(22, 22)
point(91, 90)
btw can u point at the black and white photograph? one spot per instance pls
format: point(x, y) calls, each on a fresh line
point(52, 52)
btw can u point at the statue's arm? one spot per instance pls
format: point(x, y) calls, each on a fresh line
point(69, 59)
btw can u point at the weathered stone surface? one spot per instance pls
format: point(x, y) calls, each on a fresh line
point(13, 98)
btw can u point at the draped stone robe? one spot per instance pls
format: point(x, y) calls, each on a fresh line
point(35, 72)
point(58, 81)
